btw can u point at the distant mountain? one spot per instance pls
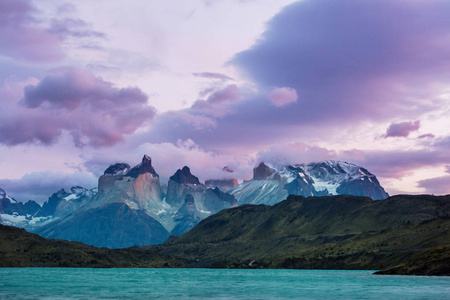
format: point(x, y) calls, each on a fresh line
point(327, 232)
point(207, 200)
point(131, 208)
point(271, 184)
point(31, 215)
point(16, 213)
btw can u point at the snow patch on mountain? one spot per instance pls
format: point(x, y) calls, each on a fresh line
point(315, 179)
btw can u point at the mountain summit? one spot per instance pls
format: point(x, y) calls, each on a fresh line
point(272, 184)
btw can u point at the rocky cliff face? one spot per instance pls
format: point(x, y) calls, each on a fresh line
point(207, 200)
point(138, 187)
point(262, 172)
point(181, 184)
point(187, 216)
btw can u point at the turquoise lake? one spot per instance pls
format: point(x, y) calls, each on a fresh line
point(67, 283)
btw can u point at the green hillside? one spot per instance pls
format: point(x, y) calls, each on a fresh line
point(19, 248)
point(338, 232)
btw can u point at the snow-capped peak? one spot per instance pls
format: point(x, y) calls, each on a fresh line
point(3, 195)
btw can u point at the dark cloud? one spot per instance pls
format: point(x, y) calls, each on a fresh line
point(447, 168)
point(40, 186)
point(23, 37)
point(346, 59)
point(437, 185)
point(402, 129)
point(92, 110)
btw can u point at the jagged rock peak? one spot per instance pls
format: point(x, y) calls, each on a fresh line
point(184, 176)
point(61, 193)
point(117, 169)
point(4, 195)
point(146, 166)
point(262, 172)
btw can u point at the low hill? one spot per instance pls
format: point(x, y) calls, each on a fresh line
point(19, 248)
point(337, 232)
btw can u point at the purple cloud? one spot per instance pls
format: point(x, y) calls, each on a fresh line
point(23, 37)
point(438, 185)
point(348, 65)
point(72, 100)
point(347, 60)
point(70, 27)
point(210, 75)
point(427, 136)
point(402, 129)
point(295, 153)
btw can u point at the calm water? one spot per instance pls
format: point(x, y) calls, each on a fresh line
point(38, 283)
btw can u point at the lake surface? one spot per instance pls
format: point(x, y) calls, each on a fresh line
point(66, 283)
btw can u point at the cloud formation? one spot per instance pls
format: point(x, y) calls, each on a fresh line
point(402, 129)
point(23, 37)
point(92, 110)
point(347, 60)
point(210, 75)
point(438, 185)
point(351, 67)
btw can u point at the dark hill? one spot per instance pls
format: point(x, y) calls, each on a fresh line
point(338, 232)
point(19, 248)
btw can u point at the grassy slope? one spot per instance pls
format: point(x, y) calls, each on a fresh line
point(341, 232)
point(19, 248)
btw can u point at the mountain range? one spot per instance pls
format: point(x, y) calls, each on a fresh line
point(129, 207)
point(403, 234)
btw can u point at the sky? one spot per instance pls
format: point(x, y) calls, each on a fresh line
point(223, 83)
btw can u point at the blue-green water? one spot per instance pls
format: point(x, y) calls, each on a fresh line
point(54, 283)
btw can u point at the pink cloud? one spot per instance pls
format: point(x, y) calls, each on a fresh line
point(427, 136)
point(402, 129)
point(283, 96)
